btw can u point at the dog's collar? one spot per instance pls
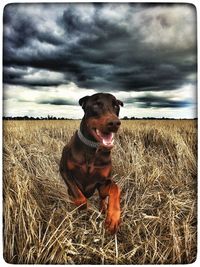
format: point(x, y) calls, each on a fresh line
point(86, 141)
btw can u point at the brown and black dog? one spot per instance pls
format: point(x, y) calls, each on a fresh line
point(86, 161)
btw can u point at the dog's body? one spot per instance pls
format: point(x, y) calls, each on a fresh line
point(86, 161)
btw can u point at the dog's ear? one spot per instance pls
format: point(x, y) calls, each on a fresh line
point(120, 102)
point(83, 101)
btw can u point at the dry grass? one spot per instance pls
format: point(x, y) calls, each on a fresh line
point(154, 163)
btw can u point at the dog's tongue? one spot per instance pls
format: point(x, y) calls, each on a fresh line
point(107, 139)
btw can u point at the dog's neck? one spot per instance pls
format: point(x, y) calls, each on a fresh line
point(82, 152)
point(85, 132)
point(87, 139)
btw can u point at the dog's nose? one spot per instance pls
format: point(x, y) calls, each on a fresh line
point(115, 123)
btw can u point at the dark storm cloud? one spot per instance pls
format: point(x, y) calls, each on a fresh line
point(20, 32)
point(17, 77)
point(98, 49)
point(57, 102)
point(150, 101)
point(25, 76)
point(12, 74)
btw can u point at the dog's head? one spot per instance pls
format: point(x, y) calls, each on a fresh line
point(101, 116)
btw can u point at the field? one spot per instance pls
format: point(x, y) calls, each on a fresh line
point(155, 165)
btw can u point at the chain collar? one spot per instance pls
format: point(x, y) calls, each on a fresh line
point(87, 141)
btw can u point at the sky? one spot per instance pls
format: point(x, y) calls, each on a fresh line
point(144, 54)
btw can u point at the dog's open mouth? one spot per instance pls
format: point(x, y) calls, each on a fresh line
point(107, 139)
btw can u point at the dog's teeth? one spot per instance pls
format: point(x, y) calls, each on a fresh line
point(108, 143)
point(98, 132)
point(107, 139)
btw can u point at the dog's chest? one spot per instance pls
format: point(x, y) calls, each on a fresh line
point(89, 172)
point(97, 166)
point(96, 171)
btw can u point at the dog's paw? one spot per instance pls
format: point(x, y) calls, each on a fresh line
point(112, 221)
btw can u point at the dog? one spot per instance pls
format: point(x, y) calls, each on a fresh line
point(86, 160)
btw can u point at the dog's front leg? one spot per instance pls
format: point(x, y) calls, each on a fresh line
point(113, 212)
point(77, 196)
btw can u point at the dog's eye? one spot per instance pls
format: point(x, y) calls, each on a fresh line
point(116, 106)
point(96, 108)
point(97, 105)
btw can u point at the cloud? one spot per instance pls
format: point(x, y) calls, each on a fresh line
point(167, 27)
point(57, 102)
point(141, 48)
point(61, 101)
point(151, 101)
point(61, 95)
point(33, 76)
point(100, 47)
